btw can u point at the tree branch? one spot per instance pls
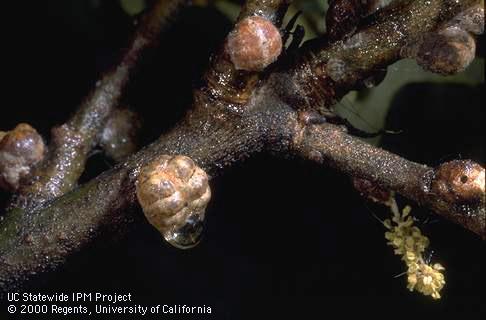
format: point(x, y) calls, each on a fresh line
point(326, 70)
point(224, 85)
point(454, 190)
point(33, 243)
point(72, 141)
point(214, 136)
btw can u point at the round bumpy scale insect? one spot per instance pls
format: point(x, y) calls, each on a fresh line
point(254, 44)
point(446, 52)
point(173, 193)
point(20, 150)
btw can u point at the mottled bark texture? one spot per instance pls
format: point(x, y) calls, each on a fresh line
point(235, 114)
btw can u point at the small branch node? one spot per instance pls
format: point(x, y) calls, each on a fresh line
point(119, 137)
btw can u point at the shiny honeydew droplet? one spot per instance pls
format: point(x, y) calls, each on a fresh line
point(188, 235)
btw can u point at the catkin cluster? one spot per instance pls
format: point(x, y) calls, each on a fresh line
point(409, 242)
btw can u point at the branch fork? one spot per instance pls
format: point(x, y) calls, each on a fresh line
point(234, 115)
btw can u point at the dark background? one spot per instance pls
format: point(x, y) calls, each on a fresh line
point(283, 238)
